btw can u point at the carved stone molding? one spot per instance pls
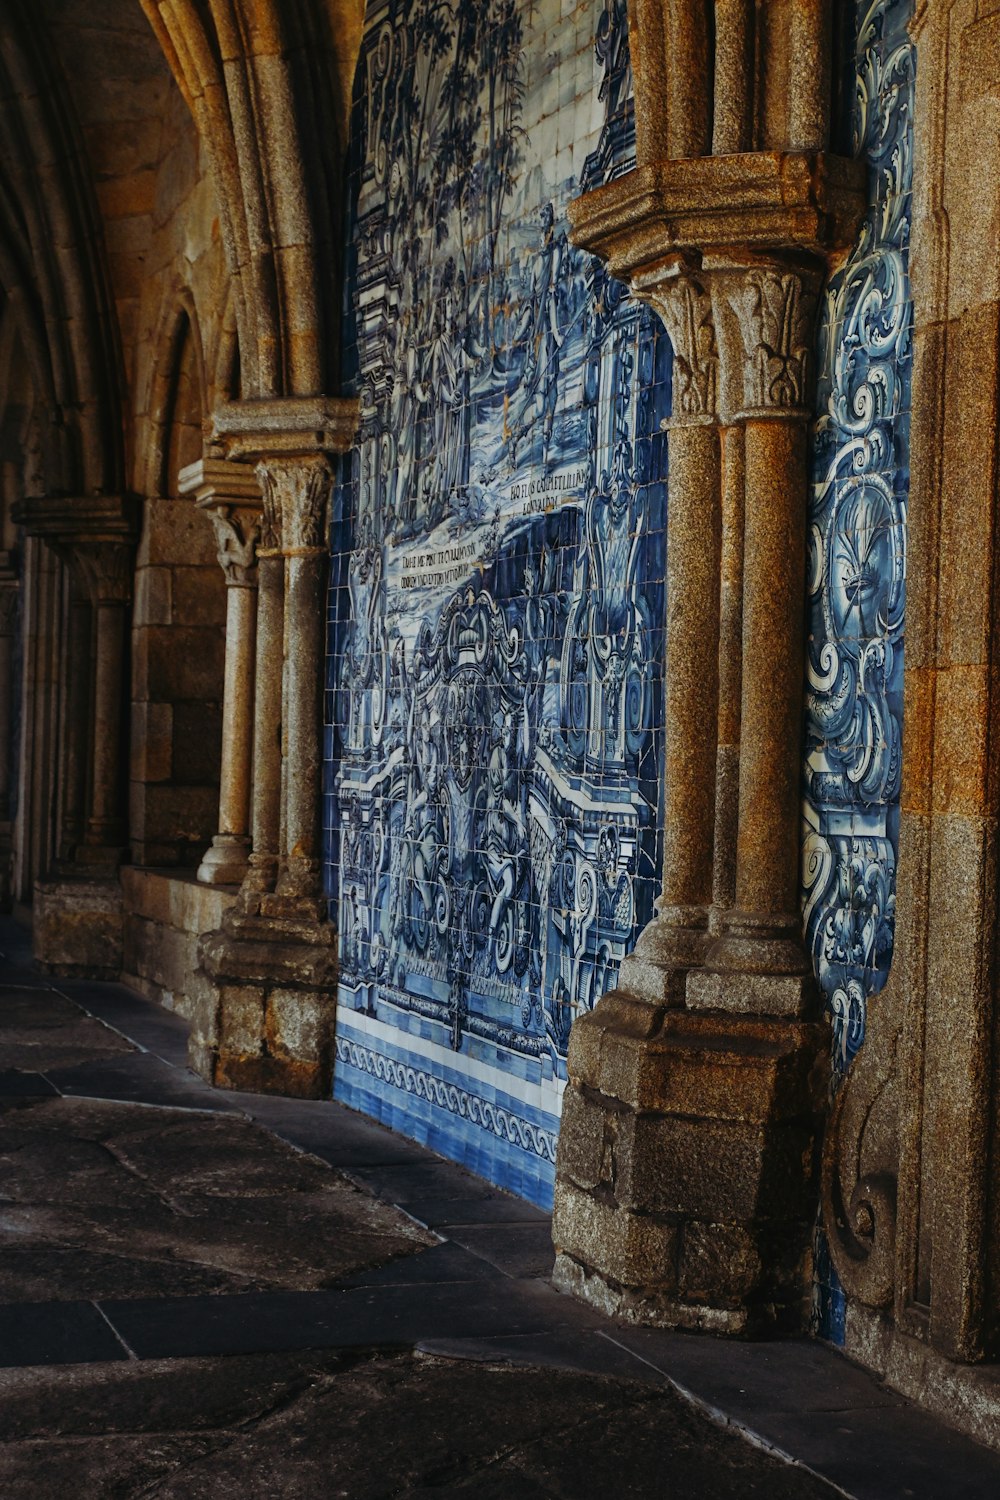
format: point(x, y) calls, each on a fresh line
point(765, 316)
point(859, 1178)
point(684, 306)
point(297, 490)
point(236, 534)
point(105, 568)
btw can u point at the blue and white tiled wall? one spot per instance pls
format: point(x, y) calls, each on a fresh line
point(494, 681)
point(857, 567)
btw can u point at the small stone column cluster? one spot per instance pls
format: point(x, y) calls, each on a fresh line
point(272, 968)
point(685, 1187)
point(77, 916)
point(230, 498)
point(9, 587)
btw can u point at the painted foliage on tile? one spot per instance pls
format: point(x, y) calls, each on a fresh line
point(854, 702)
point(498, 575)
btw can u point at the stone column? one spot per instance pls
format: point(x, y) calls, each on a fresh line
point(764, 316)
point(678, 936)
point(685, 1191)
point(107, 569)
point(298, 491)
point(262, 872)
point(8, 619)
point(230, 498)
point(271, 971)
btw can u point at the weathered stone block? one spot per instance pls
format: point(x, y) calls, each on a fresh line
point(718, 1261)
point(715, 1170)
point(299, 1025)
point(582, 1137)
point(241, 1020)
point(631, 1249)
point(77, 927)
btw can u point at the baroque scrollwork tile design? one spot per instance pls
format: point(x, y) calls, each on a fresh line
point(498, 562)
point(857, 561)
point(854, 699)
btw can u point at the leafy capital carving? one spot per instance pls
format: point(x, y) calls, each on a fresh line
point(236, 534)
point(765, 316)
point(105, 568)
point(685, 309)
point(296, 493)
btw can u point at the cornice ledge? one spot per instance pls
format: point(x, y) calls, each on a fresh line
point(62, 519)
point(286, 427)
point(756, 203)
point(219, 481)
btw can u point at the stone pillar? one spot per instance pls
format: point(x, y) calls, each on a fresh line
point(685, 1191)
point(262, 872)
point(299, 492)
point(229, 497)
point(107, 568)
point(271, 970)
point(678, 936)
point(8, 619)
point(765, 316)
point(77, 911)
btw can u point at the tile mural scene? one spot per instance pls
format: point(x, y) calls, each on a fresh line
point(494, 735)
point(498, 557)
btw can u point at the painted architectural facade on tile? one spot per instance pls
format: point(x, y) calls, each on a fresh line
point(498, 562)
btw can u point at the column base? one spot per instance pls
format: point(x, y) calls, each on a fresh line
point(266, 1022)
point(78, 925)
point(657, 968)
point(686, 1188)
point(225, 861)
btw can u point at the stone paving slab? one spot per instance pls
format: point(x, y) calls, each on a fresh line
point(56, 1333)
point(394, 1316)
point(476, 1300)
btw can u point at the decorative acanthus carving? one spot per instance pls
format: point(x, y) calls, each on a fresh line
point(236, 534)
point(765, 316)
point(296, 493)
point(105, 568)
point(685, 309)
point(270, 526)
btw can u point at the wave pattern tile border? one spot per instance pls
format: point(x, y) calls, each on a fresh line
point(857, 513)
point(494, 680)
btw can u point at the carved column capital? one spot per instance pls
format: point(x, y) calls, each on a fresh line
point(296, 500)
point(236, 533)
point(681, 299)
point(765, 316)
point(105, 568)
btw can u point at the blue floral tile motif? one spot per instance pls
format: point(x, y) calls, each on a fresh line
point(857, 569)
point(494, 718)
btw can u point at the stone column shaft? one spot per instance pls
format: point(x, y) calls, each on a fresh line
point(727, 766)
point(230, 498)
point(104, 826)
point(771, 708)
point(678, 935)
point(267, 731)
point(106, 569)
point(305, 582)
point(297, 488)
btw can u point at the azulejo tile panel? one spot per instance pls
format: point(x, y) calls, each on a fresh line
point(857, 566)
point(494, 679)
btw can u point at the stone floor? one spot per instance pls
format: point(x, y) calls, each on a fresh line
point(225, 1295)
